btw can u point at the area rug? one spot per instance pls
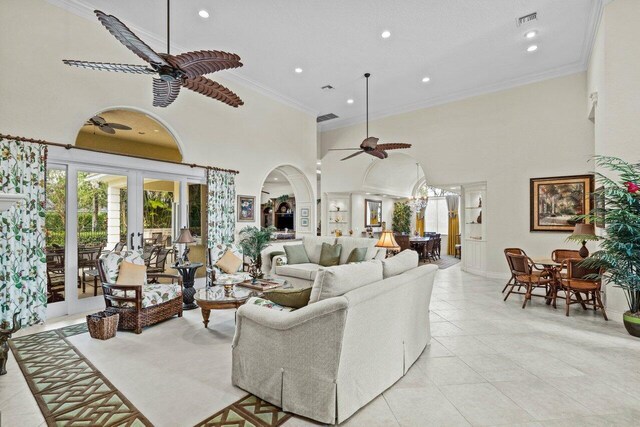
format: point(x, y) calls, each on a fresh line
point(445, 262)
point(71, 391)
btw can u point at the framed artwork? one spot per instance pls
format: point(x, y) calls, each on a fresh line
point(304, 213)
point(372, 213)
point(246, 208)
point(304, 222)
point(599, 206)
point(556, 201)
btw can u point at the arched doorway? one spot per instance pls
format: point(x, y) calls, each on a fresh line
point(287, 203)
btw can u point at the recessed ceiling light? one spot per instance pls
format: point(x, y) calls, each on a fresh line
point(156, 130)
point(531, 34)
point(203, 14)
point(275, 179)
point(298, 70)
point(318, 172)
point(532, 48)
point(349, 101)
point(318, 163)
point(385, 34)
point(426, 79)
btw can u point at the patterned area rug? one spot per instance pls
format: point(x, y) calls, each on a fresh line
point(247, 412)
point(70, 391)
point(445, 262)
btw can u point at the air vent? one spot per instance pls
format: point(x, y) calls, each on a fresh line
point(527, 18)
point(327, 87)
point(326, 117)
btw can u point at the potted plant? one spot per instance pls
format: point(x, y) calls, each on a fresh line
point(253, 241)
point(401, 222)
point(619, 253)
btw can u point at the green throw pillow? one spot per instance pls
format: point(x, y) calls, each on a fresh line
point(295, 298)
point(357, 255)
point(330, 254)
point(296, 254)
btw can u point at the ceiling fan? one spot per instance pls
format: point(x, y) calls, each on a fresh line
point(186, 69)
point(370, 144)
point(104, 126)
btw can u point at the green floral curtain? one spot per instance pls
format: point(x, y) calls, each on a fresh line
point(221, 207)
point(23, 268)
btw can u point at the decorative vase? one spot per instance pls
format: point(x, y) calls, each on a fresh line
point(632, 323)
point(479, 219)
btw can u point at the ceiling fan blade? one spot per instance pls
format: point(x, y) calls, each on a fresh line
point(165, 92)
point(108, 66)
point(107, 129)
point(118, 126)
point(352, 155)
point(129, 39)
point(393, 146)
point(265, 192)
point(213, 90)
point(98, 121)
point(370, 142)
point(201, 62)
point(379, 154)
point(344, 149)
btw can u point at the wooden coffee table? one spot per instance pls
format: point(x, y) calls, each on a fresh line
point(215, 298)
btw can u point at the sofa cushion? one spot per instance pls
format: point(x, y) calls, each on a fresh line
point(398, 264)
point(131, 274)
point(357, 255)
point(229, 262)
point(351, 243)
point(313, 246)
point(295, 298)
point(111, 262)
point(330, 254)
point(335, 281)
point(296, 254)
point(305, 271)
point(153, 294)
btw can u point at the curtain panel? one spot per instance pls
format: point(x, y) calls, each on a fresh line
point(221, 207)
point(453, 204)
point(23, 266)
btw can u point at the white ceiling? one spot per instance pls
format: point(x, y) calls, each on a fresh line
point(466, 47)
point(276, 177)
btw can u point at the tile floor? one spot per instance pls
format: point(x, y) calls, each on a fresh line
point(489, 363)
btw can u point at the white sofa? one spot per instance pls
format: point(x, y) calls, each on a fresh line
point(328, 359)
point(303, 275)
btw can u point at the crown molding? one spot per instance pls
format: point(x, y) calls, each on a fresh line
point(84, 11)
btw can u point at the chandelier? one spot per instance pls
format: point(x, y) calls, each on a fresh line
point(418, 203)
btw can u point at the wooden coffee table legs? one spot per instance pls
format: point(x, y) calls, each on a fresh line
point(205, 316)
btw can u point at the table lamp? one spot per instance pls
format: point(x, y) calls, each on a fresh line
point(584, 232)
point(185, 238)
point(387, 240)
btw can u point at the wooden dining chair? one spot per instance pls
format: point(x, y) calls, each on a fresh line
point(583, 280)
point(512, 279)
point(429, 254)
point(527, 274)
point(403, 241)
point(560, 255)
point(457, 249)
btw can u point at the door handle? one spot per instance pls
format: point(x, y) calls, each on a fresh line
point(140, 245)
point(131, 241)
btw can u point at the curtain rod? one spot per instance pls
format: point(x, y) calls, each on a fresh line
point(70, 146)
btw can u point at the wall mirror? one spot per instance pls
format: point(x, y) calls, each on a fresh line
point(372, 213)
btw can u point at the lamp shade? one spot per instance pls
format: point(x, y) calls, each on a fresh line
point(387, 241)
point(585, 231)
point(185, 236)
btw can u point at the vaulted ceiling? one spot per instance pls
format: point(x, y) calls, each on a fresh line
point(465, 47)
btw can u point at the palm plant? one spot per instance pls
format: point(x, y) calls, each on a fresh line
point(619, 252)
point(253, 241)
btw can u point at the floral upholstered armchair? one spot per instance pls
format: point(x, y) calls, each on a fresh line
point(216, 272)
point(138, 304)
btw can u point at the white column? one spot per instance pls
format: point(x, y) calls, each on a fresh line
point(113, 216)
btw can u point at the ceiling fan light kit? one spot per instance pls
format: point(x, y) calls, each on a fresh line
point(184, 70)
point(370, 144)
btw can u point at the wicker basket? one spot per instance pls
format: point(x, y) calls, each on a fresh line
point(103, 325)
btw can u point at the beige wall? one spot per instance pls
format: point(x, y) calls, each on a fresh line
point(43, 98)
point(126, 146)
point(504, 138)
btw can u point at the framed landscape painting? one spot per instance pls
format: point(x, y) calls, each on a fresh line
point(556, 201)
point(246, 208)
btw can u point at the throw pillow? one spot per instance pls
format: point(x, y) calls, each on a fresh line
point(295, 298)
point(330, 254)
point(229, 263)
point(267, 304)
point(296, 254)
point(398, 264)
point(357, 255)
point(132, 274)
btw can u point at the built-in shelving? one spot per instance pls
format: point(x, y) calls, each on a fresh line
point(337, 214)
point(474, 231)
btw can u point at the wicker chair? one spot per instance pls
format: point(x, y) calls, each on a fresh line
point(516, 251)
point(527, 274)
point(403, 241)
point(582, 280)
point(130, 303)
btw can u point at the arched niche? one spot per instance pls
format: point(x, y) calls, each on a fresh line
point(145, 137)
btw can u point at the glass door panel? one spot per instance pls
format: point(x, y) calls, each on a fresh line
point(196, 222)
point(160, 219)
point(56, 233)
point(101, 224)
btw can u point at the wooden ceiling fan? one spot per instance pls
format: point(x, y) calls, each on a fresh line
point(105, 126)
point(186, 69)
point(370, 144)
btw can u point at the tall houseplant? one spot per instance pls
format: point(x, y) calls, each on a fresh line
point(619, 252)
point(401, 222)
point(253, 241)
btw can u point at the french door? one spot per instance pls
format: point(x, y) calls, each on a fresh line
point(96, 207)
